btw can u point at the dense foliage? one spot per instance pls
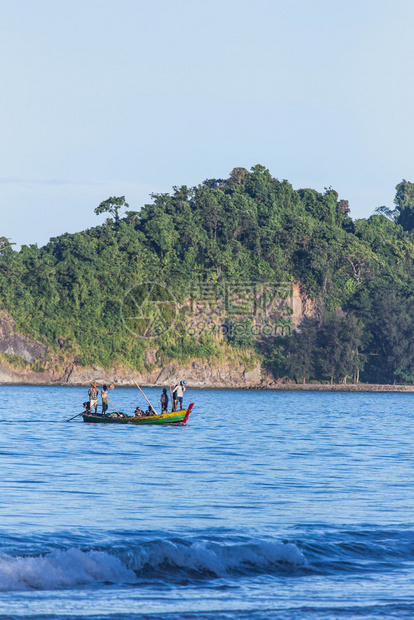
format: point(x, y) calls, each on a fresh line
point(250, 228)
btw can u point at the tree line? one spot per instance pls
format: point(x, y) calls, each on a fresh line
point(250, 227)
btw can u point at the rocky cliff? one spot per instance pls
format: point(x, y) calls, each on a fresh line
point(25, 361)
point(37, 368)
point(18, 345)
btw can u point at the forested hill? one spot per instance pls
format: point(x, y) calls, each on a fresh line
point(246, 234)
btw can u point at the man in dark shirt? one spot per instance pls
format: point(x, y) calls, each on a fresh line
point(164, 401)
point(93, 396)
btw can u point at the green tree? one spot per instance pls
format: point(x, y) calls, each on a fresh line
point(392, 334)
point(301, 350)
point(404, 201)
point(340, 340)
point(403, 213)
point(5, 246)
point(112, 206)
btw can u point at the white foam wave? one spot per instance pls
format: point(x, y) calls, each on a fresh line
point(74, 567)
point(218, 559)
point(61, 569)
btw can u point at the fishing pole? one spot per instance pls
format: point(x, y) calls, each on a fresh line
point(144, 396)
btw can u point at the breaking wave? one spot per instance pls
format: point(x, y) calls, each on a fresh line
point(61, 569)
point(161, 559)
point(133, 560)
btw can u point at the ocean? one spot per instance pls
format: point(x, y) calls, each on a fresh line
point(287, 505)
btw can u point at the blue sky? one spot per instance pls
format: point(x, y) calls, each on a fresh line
point(129, 97)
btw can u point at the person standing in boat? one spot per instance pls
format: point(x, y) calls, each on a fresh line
point(104, 394)
point(93, 397)
point(174, 400)
point(178, 394)
point(164, 401)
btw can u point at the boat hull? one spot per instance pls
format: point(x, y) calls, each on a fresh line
point(178, 418)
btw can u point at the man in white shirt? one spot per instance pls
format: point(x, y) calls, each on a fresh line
point(178, 394)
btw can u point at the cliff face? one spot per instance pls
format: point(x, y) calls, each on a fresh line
point(198, 373)
point(13, 343)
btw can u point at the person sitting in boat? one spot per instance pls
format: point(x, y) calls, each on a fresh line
point(150, 411)
point(87, 407)
point(138, 413)
point(164, 401)
point(93, 396)
point(117, 414)
point(104, 394)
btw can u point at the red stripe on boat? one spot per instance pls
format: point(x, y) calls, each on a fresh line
point(184, 422)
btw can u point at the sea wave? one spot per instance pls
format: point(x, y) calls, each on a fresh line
point(206, 558)
point(360, 550)
point(136, 559)
point(62, 569)
point(162, 559)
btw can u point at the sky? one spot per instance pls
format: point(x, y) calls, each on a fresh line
point(128, 97)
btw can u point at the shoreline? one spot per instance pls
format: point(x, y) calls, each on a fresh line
point(276, 387)
point(340, 387)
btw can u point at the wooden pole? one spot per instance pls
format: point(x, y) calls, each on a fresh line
point(144, 396)
point(169, 385)
point(75, 416)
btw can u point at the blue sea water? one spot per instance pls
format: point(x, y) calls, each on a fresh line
point(266, 505)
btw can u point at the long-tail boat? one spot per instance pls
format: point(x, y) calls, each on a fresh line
point(179, 418)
